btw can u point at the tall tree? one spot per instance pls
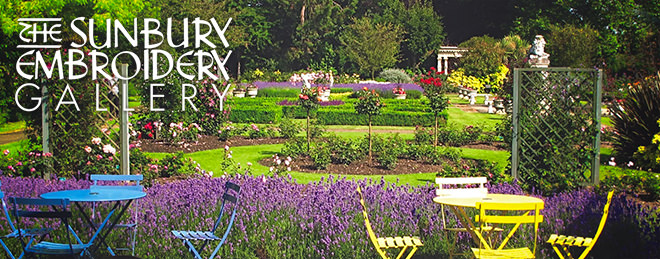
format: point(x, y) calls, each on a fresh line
point(372, 46)
point(423, 34)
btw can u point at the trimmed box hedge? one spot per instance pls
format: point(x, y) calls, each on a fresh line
point(387, 118)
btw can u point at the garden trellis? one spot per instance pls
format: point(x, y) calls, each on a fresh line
point(556, 127)
point(69, 126)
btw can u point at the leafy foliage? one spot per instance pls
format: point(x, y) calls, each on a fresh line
point(372, 46)
point(635, 120)
point(572, 46)
point(395, 76)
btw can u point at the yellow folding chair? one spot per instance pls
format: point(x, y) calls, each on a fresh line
point(565, 242)
point(383, 243)
point(507, 213)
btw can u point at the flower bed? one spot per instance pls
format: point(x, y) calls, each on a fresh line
point(385, 87)
point(281, 219)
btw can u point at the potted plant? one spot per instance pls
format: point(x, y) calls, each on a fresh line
point(252, 90)
point(239, 92)
point(399, 93)
point(324, 93)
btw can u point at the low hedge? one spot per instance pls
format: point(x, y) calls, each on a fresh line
point(341, 90)
point(387, 118)
point(256, 114)
point(278, 92)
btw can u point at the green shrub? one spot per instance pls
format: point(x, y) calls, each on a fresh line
point(344, 151)
point(418, 151)
point(316, 130)
point(255, 132)
point(389, 150)
point(413, 94)
point(252, 114)
point(340, 90)
point(226, 132)
point(634, 182)
point(386, 118)
point(395, 76)
point(321, 156)
point(635, 119)
point(297, 112)
point(289, 128)
point(278, 92)
point(295, 147)
point(423, 136)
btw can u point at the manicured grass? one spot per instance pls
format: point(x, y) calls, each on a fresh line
point(606, 121)
point(459, 119)
point(12, 126)
point(208, 160)
point(18, 146)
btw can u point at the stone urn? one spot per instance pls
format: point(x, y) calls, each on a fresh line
point(499, 105)
point(400, 96)
point(239, 93)
point(252, 91)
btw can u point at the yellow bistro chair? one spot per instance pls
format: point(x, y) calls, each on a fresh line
point(508, 213)
point(586, 242)
point(383, 243)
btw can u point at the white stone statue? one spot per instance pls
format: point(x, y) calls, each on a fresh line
point(537, 55)
point(538, 48)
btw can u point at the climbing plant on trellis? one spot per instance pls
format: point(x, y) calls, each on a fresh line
point(66, 131)
point(556, 128)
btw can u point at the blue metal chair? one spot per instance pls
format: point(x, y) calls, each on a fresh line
point(208, 236)
point(32, 209)
point(36, 232)
point(134, 181)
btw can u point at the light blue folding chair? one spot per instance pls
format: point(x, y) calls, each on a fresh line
point(40, 209)
point(127, 182)
point(232, 191)
point(36, 232)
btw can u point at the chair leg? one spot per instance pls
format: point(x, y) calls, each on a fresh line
point(403, 250)
point(412, 252)
point(7, 249)
point(192, 249)
point(557, 251)
point(568, 253)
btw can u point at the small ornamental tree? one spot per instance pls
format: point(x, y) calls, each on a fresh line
point(369, 104)
point(308, 99)
point(434, 90)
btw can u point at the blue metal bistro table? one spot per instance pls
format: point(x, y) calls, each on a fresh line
point(101, 195)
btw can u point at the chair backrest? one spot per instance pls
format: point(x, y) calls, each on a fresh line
point(461, 186)
point(523, 217)
point(232, 192)
point(5, 210)
point(606, 210)
point(367, 223)
point(96, 178)
point(34, 208)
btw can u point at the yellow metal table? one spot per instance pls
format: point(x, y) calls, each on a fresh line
point(458, 205)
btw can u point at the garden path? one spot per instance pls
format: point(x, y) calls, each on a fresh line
point(6, 138)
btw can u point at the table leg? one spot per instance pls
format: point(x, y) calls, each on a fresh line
point(465, 221)
point(91, 224)
point(104, 234)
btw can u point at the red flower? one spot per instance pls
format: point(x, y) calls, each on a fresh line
point(433, 68)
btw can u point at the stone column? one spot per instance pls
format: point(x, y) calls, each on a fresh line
point(445, 67)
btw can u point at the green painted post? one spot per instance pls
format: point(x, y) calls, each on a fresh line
point(515, 122)
point(595, 164)
point(45, 126)
point(123, 132)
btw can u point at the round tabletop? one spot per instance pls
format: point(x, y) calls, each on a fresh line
point(471, 202)
point(85, 195)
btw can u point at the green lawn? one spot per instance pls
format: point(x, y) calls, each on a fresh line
point(12, 126)
point(209, 161)
point(18, 146)
point(460, 119)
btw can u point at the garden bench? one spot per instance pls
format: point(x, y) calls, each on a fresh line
point(474, 95)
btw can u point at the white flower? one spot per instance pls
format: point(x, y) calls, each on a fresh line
point(611, 162)
point(96, 141)
point(288, 168)
point(271, 168)
point(630, 164)
point(249, 164)
point(228, 155)
point(109, 149)
point(279, 162)
point(286, 162)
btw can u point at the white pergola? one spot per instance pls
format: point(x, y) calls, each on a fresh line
point(446, 52)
